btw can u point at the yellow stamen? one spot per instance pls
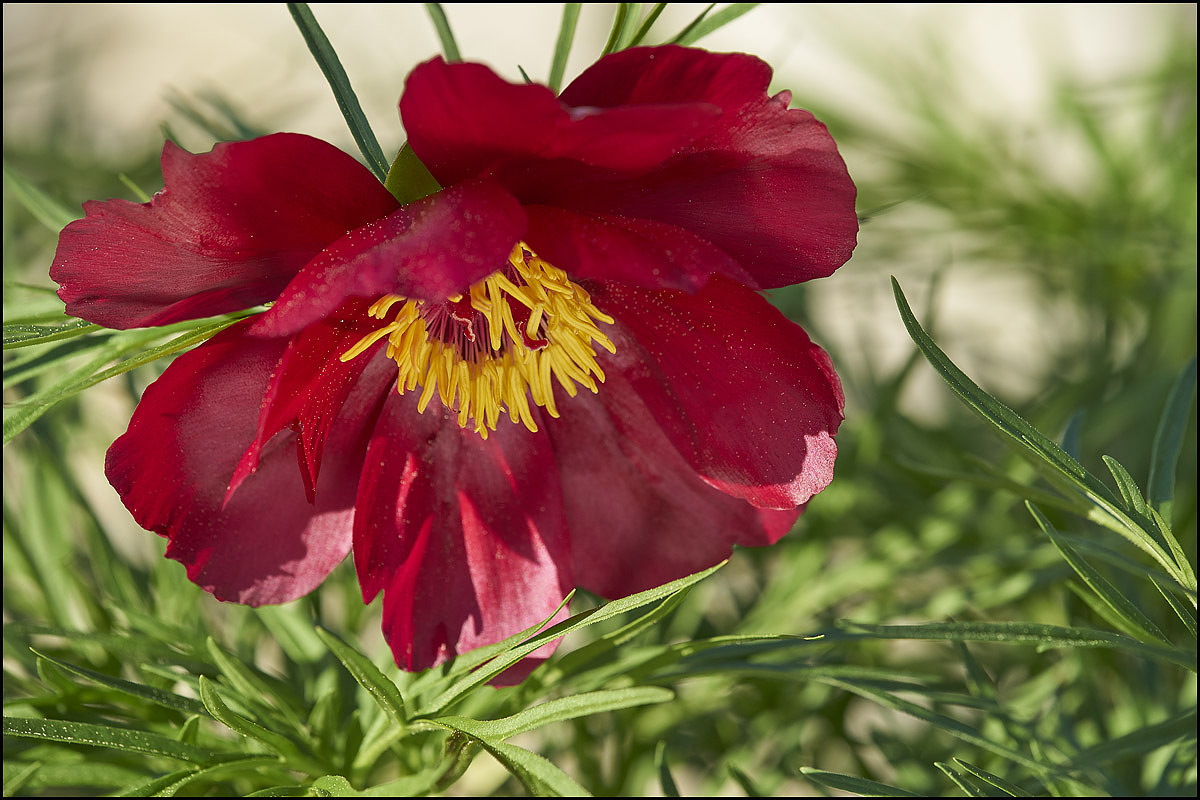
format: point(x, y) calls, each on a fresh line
point(482, 374)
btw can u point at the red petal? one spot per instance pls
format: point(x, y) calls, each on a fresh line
point(308, 388)
point(229, 230)
point(462, 119)
point(633, 251)
point(172, 469)
point(765, 183)
point(639, 514)
point(464, 536)
point(430, 249)
point(739, 390)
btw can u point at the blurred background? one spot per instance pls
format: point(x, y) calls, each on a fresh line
point(1028, 173)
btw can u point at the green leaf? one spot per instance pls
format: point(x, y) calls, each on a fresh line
point(849, 783)
point(502, 662)
point(23, 335)
point(441, 24)
point(539, 776)
point(408, 179)
point(644, 29)
point(1138, 743)
point(669, 789)
point(1044, 452)
point(159, 697)
point(1130, 492)
point(1009, 789)
point(621, 20)
point(746, 782)
point(343, 92)
point(48, 211)
point(562, 45)
point(1025, 633)
point(1168, 441)
point(20, 416)
point(704, 25)
point(954, 727)
point(276, 742)
point(579, 705)
point(14, 781)
point(106, 736)
point(1125, 609)
point(382, 691)
point(251, 689)
point(964, 785)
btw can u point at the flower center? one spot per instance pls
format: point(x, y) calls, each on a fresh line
point(495, 348)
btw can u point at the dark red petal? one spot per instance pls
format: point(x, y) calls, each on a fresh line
point(229, 230)
point(765, 183)
point(740, 391)
point(309, 386)
point(633, 251)
point(172, 468)
point(430, 249)
point(639, 514)
point(465, 537)
point(462, 119)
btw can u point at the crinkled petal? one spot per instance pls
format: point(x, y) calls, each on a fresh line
point(172, 468)
point(430, 249)
point(743, 394)
point(639, 514)
point(633, 251)
point(309, 387)
point(765, 184)
point(229, 230)
point(463, 119)
point(465, 537)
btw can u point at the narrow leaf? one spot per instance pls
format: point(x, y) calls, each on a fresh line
point(1026, 633)
point(20, 335)
point(1126, 609)
point(579, 705)
point(1009, 789)
point(562, 46)
point(1168, 441)
point(1138, 743)
point(48, 211)
point(669, 789)
point(236, 722)
point(644, 29)
point(620, 20)
point(850, 783)
point(106, 736)
point(708, 23)
point(1127, 486)
point(598, 614)
point(158, 696)
point(343, 92)
point(960, 781)
point(1045, 453)
point(19, 417)
point(539, 776)
point(382, 691)
point(441, 24)
point(690, 28)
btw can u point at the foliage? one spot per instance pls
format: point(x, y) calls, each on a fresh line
point(993, 615)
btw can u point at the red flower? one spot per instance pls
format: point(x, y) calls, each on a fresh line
point(591, 392)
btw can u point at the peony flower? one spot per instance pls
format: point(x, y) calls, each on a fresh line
point(556, 371)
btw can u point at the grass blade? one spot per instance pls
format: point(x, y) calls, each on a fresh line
point(382, 691)
point(1125, 609)
point(705, 24)
point(343, 92)
point(539, 776)
point(437, 15)
point(1168, 441)
point(48, 211)
point(850, 783)
point(562, 46)
point(133, 741)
